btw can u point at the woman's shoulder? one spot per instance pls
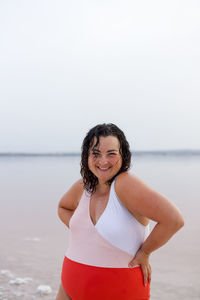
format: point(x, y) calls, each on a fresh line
point(124, 183)
point(77, 189)
point(72, 197)
point(126, 178)
point(79, 184)
point(129, 184)
point(128, 188)
point(142, 200)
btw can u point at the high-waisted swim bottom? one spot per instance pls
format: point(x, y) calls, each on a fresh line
point(85, 282)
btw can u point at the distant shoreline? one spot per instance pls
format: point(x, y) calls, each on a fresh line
point(135, 153)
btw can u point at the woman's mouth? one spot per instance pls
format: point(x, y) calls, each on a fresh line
point(103, 169)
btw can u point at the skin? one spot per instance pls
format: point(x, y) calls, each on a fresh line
point(62, 295)
point(143, 202)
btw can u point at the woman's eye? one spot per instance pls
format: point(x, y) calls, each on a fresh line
point(111, 154)
point(95, 154)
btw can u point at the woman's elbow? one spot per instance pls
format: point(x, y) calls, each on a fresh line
point(59, 210)
point(179, 222)
point(174, 223)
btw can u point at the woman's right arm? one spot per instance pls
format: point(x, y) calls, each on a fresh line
point(69, 202)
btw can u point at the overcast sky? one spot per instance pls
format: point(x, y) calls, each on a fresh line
point(66, 66)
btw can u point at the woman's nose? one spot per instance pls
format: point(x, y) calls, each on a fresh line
point(103, 160)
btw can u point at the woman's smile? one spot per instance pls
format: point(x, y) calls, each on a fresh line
point(103, 169)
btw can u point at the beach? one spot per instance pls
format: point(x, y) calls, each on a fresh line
point(34, 240)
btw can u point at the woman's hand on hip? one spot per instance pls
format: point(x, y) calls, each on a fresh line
point(142, 259)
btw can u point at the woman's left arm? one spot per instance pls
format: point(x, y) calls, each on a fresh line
point(142, 200)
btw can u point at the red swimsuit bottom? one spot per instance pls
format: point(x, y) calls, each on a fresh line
point(85, 282)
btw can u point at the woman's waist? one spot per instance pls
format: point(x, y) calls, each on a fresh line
point(98, 266)
point(100, 255)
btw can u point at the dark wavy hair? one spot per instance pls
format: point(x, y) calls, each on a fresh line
point(89, 179)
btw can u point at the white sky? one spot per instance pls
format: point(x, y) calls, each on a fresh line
point(66, 66)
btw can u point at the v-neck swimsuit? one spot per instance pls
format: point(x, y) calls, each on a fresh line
point(96, 262)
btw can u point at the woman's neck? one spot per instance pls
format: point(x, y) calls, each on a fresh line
point(102, 188)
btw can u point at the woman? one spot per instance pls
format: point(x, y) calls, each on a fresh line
point(108, 213)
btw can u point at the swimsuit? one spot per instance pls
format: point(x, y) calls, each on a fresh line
point(96, 262)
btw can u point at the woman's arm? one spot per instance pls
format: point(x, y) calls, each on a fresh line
point(141, 200)
point(69, 202)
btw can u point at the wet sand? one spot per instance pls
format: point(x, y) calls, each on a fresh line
point(33, 239)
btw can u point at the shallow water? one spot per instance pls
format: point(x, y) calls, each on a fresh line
point(33, 239)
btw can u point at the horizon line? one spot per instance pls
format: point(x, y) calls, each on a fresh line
point(136, 152)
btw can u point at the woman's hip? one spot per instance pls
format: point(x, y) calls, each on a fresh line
point(82, 281)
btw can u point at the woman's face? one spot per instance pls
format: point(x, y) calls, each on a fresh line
point(105, 160)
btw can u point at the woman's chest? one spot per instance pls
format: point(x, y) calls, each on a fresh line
point(97, 206)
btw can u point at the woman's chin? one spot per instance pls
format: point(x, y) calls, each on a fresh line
point(104, 178)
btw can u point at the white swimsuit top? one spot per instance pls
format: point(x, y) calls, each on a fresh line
point(112, 242)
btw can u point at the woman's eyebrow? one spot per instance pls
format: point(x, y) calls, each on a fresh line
point(114, 150)
point(95, 150)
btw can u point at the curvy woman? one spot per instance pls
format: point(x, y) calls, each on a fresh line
point(107, 212)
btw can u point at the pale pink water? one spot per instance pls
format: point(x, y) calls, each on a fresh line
point(33, 240)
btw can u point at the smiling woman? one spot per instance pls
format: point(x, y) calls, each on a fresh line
point(103, 142)
point(108, 212)
point(105, 160)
